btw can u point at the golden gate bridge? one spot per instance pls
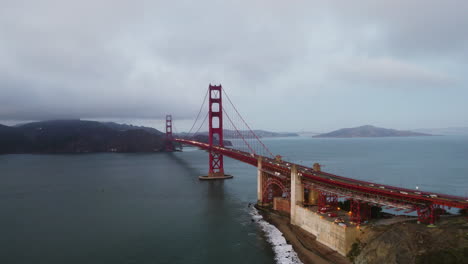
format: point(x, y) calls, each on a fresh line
point(276, 176)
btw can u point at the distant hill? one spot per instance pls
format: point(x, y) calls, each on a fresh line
point(78, 136)
point(205, 139)
point(229, 134)
point(3, 127)
point(369, 131)
point(125, 127)
point(263, 133)
point(449, 131)
point(308, 133)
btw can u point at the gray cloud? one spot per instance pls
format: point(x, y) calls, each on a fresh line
point(409, 28)
point(390, 72)
point(142, 59)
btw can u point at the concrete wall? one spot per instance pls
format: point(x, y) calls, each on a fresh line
point(333, 236)
point(297, 192)
point(259, 181)
point(282, 204)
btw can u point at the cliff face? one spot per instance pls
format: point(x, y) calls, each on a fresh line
point(412, 243)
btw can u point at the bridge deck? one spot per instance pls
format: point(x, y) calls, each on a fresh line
point(335, 181)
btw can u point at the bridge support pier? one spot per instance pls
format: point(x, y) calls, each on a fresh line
point(360, 211)
point(215, 134)
point(169, 144)
point(260, 179)
point(297, 194)
point(312, 197)
point(429, 214)
point(326, 199)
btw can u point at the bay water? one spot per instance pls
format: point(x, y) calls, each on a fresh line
point(151, 208)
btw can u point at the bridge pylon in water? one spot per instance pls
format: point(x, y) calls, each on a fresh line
point(169, 146)
point(215, 134)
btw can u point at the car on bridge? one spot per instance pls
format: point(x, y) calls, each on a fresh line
point(325, 210)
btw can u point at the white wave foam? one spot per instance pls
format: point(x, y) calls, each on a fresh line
point(284, 253)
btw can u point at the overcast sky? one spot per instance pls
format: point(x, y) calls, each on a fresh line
point(287, 65)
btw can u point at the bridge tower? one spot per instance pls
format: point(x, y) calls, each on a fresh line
point(169, 143)
point(215, 134)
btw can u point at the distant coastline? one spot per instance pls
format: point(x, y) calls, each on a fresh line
point(230, 134)
point(369, 131)
point(83, 136)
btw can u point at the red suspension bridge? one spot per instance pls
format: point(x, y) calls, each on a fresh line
point(275, 174)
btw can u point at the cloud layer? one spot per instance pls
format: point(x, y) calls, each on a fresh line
point(142, 59)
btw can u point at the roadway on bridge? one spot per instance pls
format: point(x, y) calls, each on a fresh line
point(335, 181)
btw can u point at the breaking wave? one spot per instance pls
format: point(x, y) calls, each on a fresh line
point(284, 253)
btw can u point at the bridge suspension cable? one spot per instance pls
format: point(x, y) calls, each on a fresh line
point(243, 131)
point(237, 133)
point(240, 134)
point(200, 127)
point(198, 115)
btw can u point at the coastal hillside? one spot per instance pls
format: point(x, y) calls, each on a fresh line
point(78, 136)
point(263, 133)
point(369, 131)
point(125, 127)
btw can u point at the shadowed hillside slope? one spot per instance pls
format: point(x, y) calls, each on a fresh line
point(78, 136)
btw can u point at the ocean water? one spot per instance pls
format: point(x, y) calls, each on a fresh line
point(436, 163)
point(151, 208)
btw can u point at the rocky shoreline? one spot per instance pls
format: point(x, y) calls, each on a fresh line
point(307, 248)
point(401, 240)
